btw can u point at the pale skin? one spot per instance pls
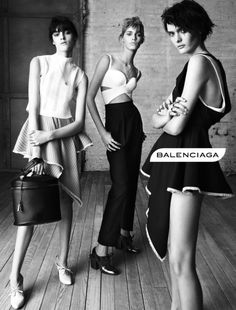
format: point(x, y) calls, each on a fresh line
point(185, 208)
point(123, 61)
point(64, 43)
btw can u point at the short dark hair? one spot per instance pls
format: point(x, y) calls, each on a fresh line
point(134, 22)
point(189, 16)
point(62, 23)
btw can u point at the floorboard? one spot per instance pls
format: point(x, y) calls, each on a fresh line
point(144, 282)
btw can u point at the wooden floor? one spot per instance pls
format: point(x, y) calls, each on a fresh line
point(144, 283)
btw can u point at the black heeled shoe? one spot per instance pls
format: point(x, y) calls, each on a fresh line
point(126, 244)
point(104, 263)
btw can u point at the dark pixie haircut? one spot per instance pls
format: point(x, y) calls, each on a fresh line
point(133, 22)
point(62, 23)
point(189, 16)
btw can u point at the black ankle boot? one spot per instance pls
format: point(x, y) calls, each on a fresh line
point(126, 244)
point(104, 263)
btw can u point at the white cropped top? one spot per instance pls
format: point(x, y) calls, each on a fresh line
point(115, 83)
point(59, 79)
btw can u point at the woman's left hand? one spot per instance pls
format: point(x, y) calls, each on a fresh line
point(178, 107)
point(38, 137)
point(165, 107)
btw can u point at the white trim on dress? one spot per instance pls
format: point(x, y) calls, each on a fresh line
point(197, 189)
point(153, 248)
point(144, 173)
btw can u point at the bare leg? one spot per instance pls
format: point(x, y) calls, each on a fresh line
point(65, 227)
point(23, 237)
point(184, 220)
point(175, 304)
point(110, 250)
point(101, 250)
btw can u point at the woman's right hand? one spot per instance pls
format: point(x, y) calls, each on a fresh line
point(110, 143)
point(178, 107)
point(39, 168)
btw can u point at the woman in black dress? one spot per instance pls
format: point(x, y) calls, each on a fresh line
point(200, 99)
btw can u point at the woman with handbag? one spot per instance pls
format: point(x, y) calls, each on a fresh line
point(199, 100)
point(122, 136)
point(52, 134)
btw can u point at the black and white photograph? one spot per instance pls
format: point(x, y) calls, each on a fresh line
point(118, 155)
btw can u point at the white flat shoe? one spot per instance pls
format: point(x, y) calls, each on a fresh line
point(17, 294)
point(65, 274)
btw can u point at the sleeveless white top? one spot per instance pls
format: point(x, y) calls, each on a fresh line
point(59, 80)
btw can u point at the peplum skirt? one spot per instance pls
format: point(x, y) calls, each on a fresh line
point(60, 156)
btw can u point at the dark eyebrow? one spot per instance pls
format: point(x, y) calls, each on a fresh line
point(131, 31)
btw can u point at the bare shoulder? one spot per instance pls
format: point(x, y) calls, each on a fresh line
point(35, 66)
point(40, 61)
point(198, 63)
point(34, 61)
point(104, 60)
point(199, 68)
point(102, 65)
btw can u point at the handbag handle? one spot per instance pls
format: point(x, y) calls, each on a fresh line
point(31, 164)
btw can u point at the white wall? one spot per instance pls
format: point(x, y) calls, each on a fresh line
point(160, 64)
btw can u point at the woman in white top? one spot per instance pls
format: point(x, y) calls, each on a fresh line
point(122, 136)
point(57, 86)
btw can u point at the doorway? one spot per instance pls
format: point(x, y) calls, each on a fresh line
point(24, 25)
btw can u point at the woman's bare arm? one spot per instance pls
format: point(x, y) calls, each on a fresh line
point(196, 77)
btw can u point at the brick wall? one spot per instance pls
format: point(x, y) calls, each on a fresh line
point(160, 63)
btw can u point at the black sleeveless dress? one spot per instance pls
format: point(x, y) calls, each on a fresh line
point(206, 177)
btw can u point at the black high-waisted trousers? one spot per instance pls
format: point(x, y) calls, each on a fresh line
point(124, 122)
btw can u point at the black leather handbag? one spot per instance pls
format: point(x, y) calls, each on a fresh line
point(36, 198)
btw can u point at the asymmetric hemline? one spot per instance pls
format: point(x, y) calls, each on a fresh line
point(189, 189)
point(59, 156)
point(153, 247)
point(165, 178)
